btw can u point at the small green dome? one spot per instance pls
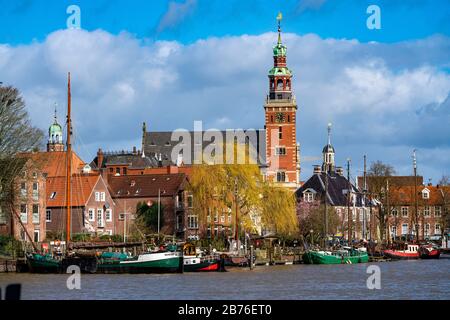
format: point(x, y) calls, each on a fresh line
point(55, 133)
point(279, 50)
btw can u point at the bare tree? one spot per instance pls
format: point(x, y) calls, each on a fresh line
point(16, 135)
point(379, 169)
point(445, 180)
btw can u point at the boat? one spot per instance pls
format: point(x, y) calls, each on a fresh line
point(195, 262)
point(43, 263)
point(148, 262)
point(429, 251)
point(411, 252)
point(341, 256)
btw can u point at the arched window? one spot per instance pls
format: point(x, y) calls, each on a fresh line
point(288, 84)
point(279, 84)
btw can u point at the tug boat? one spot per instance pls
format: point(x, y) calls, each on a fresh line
point(345, 255)
point(411, 252)
point(195, 262)
point(429, 251)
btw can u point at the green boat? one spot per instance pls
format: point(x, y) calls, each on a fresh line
point(43, 263)
point(152, 262)
point(343, 256)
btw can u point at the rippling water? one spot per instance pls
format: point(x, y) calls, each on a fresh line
point(416, 279)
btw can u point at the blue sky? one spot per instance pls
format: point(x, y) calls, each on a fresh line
point(172, 62)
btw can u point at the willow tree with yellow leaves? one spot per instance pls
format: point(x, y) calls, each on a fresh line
point(239, 191)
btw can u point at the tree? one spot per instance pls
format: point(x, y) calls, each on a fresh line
point(445, 181)
point(16, 135)
point(311, 217)
point(148, 216)
point(218, 187)
point(379, 169)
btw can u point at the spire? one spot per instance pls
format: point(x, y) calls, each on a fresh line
point(56, 121)
point(279, 18)
point(329, 133)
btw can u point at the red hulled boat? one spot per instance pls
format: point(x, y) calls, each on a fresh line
point(429, 252)
point(411, 252)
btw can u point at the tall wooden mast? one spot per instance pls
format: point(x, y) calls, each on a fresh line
point(69, 164)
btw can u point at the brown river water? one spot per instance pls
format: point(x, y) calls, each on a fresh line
point(415, 279)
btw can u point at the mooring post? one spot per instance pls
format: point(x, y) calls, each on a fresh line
point(251, 257)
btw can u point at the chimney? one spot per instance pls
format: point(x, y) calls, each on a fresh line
point(340, 171)
point(99, 158)
point(317, 169)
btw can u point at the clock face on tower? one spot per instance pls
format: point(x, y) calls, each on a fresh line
point(279, 117)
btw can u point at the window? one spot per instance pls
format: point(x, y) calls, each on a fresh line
point(222, 218)
point(124, 170)
point(35, 191)
point(426, 211)
point(280, 133)
point(97, 196)
point(100, 221)
point(190, 200)
point(216, 217)
point(308, 196)
point(2, 216)
point(404, 211)
point(405, 228)
point(281, 176)
point(53, 195)
point(437, 229)
point(121, 216)
point(394, 212)
point(23, 189)
point(279, 84)
point(289, 118)
point(393, 231)
point(437, 211)
point(229, 217)
point(193, 221)
point(425, 194)
point(35, 213)
point(427, 229)
point(91, 216)
point(48, 215)
point(108, 215)
point(35, 175)
point(36, 236)
point(280, 151)
point(23, 213)
point(117, 171)
point(102, 196)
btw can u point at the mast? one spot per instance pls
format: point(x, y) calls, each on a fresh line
point(349, 214)
point(236, 229)
point(416, 211)
point(69, 164)
point(364, 199)
point(326, 193)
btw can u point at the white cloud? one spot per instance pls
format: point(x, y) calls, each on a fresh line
point(384, 97)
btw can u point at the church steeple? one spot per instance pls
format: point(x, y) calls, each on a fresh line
point(328, 164)
point(280, 86)
point(55, 136)
point(282, 150)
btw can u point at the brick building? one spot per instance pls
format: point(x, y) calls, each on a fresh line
point(92, 207)
point(131, 190)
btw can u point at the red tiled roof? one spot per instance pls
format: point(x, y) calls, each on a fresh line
point(82, 186)
point(146, 185)
point(54, 163)
point(405, 195)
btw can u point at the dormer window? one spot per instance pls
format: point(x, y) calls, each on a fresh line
point(426, 194)
point(308, 195)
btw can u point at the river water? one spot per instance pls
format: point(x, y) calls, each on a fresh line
point(415, 279)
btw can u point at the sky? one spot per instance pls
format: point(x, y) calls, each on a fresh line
point(386, 91)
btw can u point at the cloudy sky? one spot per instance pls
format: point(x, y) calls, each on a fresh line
point(169, 63)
